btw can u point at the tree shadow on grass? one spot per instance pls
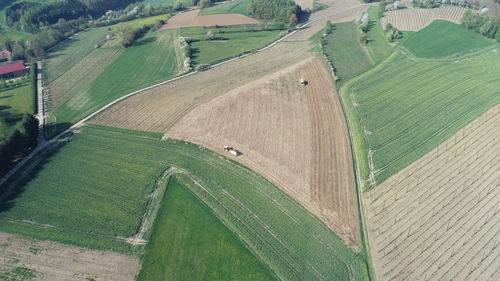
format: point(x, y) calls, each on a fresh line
point(16, 185)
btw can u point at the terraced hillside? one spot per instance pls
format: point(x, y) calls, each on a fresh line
point(439, 219)
point(403, 108)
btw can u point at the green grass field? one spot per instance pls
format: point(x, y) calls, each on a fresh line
point(94, 188)
point(343, 48)
point(233, 7)
point(442, 39)
point(206, 51)
point(405, 107)
point(190, 243)
point(14, 103)
point(144, 21)
point(152, 60)
point(64, 56)
point(378, 46)
point(185, 3)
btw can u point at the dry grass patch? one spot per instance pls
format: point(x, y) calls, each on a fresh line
point(416, 19)
point(438, 219)
point(294, 136)
point(191, 18)
point(43, 260)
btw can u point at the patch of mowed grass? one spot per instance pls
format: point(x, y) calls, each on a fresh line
point(137, 23)
point(68, 53)
point(152, 60)
point(378, 46)
point(405, 107)
point(342, 47)
point(227, 42)
point(189, 243)
point(233, 7)
point(101, 174)
point(13, 104)
point(443, 38)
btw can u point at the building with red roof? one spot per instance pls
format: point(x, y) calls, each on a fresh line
point(11, 70)
point(4, 55)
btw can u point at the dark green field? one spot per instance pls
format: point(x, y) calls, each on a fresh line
point(189, 242)
point(93, 192)
point(348, 56)
point(442, 39)
point(14, 103)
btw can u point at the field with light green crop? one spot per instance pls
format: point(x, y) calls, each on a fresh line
point(406, 106)
point(233, 7)
point(378, 46)
point(227, 42)
point(190, 243)
point(92, 193)
point(151, 60)
point(342, 47)
point(443, 38)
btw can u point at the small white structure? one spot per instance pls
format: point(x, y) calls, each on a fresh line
point(231, 150)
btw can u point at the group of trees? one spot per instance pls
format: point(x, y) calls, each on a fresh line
point(363, 24)
point(204, 3)
point(285, 11)
point(487, 26)
point(129, 35)
point(23, 139)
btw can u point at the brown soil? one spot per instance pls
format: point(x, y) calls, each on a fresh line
point(54, 261)
point(294, 136)
point(416, 19)
point(191, 18)
point(439, 218)
point(305, 4)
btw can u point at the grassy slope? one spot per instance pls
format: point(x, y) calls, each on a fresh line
point(190, 243)
point(212, 51)
point(101, 170)
point(65, 55)
point(443, 38)
point(378, 47)
point(16, 101)
point(166, 2)
point(349, 57)
point(151, 61)
point(234, 7)
point(149, 20)
point(405, 107)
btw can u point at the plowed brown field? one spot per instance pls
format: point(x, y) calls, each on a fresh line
point(57, 262)
point(439, 218)
point(191, 18)
point(292, 135)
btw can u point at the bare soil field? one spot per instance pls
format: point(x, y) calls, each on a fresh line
point(439, 218)
point(157, 109)
point(54, 261)
point(416, 19)
point(338, 11)
point(74, 81)
point(305, 4)
point(191, 18)
point(294, 136)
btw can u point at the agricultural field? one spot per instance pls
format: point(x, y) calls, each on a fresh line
point(185, 3)
point(292, 135)
point(403, 108)
point(137, 23)
point(188, 240)
point(121, 167)
point(416, 19)
point(14, 103)
point(191, 18)
point(65, 55)
point(444, 38)
point(28, 259)
point(107, 74)
point(157, 109)
point(337, 11)
point(346, 53)
point(228, 45)
point(232, 7)
point(305, 4)
point(438, 219)
point(378, 46)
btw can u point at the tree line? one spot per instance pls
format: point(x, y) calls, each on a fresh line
point(284, 11)
point(487, 26)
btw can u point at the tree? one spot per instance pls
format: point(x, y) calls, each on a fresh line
point(204, 3)
point(126, 34)
point(210, 34)
point(328, 27)
point(293, 20)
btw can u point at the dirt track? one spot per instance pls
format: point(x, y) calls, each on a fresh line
point(439, 218)
point(191, 18)
point(55, 261)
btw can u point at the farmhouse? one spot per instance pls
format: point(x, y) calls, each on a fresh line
point(10, 70)
point(4, 55)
